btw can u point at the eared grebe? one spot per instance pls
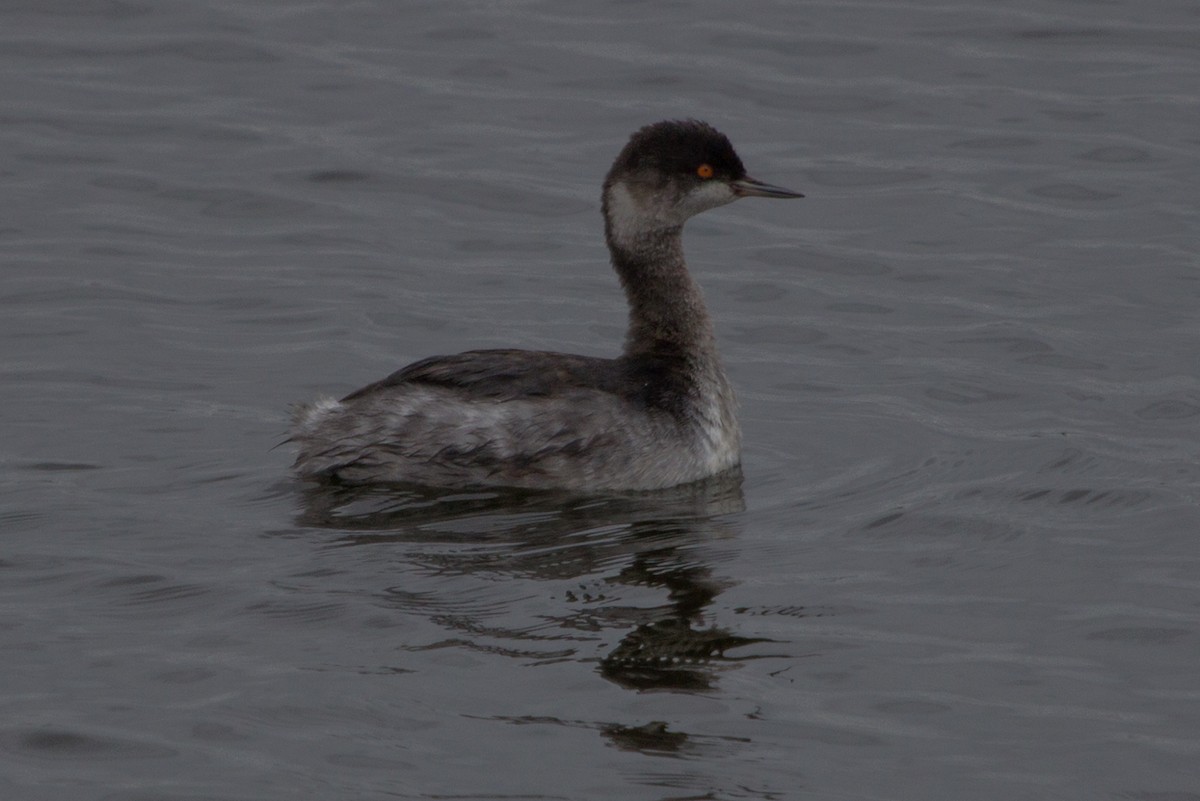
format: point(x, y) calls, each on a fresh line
point(661, 414)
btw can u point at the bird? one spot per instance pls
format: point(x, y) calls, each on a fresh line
point(661, 414)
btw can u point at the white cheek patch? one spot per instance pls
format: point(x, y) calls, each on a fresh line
point(624, 216)
point(708, 195)
point(633, 213)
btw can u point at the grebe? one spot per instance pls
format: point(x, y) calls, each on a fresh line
point(661, 414)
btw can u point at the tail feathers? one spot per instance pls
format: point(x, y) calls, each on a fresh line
point(306, 417)
point(325, 437)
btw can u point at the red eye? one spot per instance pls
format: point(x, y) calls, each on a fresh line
point(705, 171)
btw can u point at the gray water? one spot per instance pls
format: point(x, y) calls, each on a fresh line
point(963, 564)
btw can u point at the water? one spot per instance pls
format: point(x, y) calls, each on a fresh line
point(963, 563)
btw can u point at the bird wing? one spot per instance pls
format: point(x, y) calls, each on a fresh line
point(504, 374)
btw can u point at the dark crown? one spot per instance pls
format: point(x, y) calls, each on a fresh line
point(679, 146)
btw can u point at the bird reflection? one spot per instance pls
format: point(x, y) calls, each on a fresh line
point(597, 545)
point(671, 651)
point(396, 509)
point(653, 737)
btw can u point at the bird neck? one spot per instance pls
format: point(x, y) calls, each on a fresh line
point(667, 314)
point(669, 326)
point(666, 309)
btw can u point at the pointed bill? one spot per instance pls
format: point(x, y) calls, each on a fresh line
point(750, 187)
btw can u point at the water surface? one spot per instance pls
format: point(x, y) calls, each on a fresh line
point(963, 561)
